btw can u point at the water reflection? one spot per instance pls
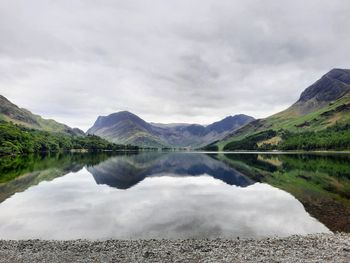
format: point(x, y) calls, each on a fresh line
point(160, 207)
point(173, 195)
point(321, 182)
point(124, 172)
point(21, 172)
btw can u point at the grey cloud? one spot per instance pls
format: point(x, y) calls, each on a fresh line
point(168, 61)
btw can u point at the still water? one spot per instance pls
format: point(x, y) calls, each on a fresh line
point(173, 195)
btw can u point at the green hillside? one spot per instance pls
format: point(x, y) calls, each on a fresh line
point(10, 112)
point(323, 105)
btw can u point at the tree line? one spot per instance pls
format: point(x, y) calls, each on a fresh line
point(17, 139)
point(336, 137)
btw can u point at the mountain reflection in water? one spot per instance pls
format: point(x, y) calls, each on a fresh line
point(124, 172)
point(173, 195)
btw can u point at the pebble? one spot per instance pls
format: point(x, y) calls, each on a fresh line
point(311, 248)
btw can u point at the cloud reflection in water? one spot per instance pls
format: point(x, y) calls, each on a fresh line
point(165, 206)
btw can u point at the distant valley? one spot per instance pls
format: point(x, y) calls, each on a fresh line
point(127, 128)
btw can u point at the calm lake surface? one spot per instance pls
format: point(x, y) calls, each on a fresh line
point(173, 195)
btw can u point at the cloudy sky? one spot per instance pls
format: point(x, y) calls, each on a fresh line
point(167, 61)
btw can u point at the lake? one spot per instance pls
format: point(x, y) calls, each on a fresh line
point(173, 195)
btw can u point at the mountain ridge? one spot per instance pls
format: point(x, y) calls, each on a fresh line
point(126, 127)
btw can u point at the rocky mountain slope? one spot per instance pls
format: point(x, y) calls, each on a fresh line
point(127, 128)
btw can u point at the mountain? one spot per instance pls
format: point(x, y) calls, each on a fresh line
point(331, 87)
point(10, 112)
point(229, 123)
point(321, 106)
point(127, 128)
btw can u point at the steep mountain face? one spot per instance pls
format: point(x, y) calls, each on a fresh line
point(12, 113)
point(331, 87)
point(127, 128)
point(323, 104)
point(120, 117)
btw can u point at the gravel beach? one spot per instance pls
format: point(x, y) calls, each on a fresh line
point(312, 248)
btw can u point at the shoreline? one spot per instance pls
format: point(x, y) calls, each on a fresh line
point(275, 152)
point(86, 151)
point(310, 248)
